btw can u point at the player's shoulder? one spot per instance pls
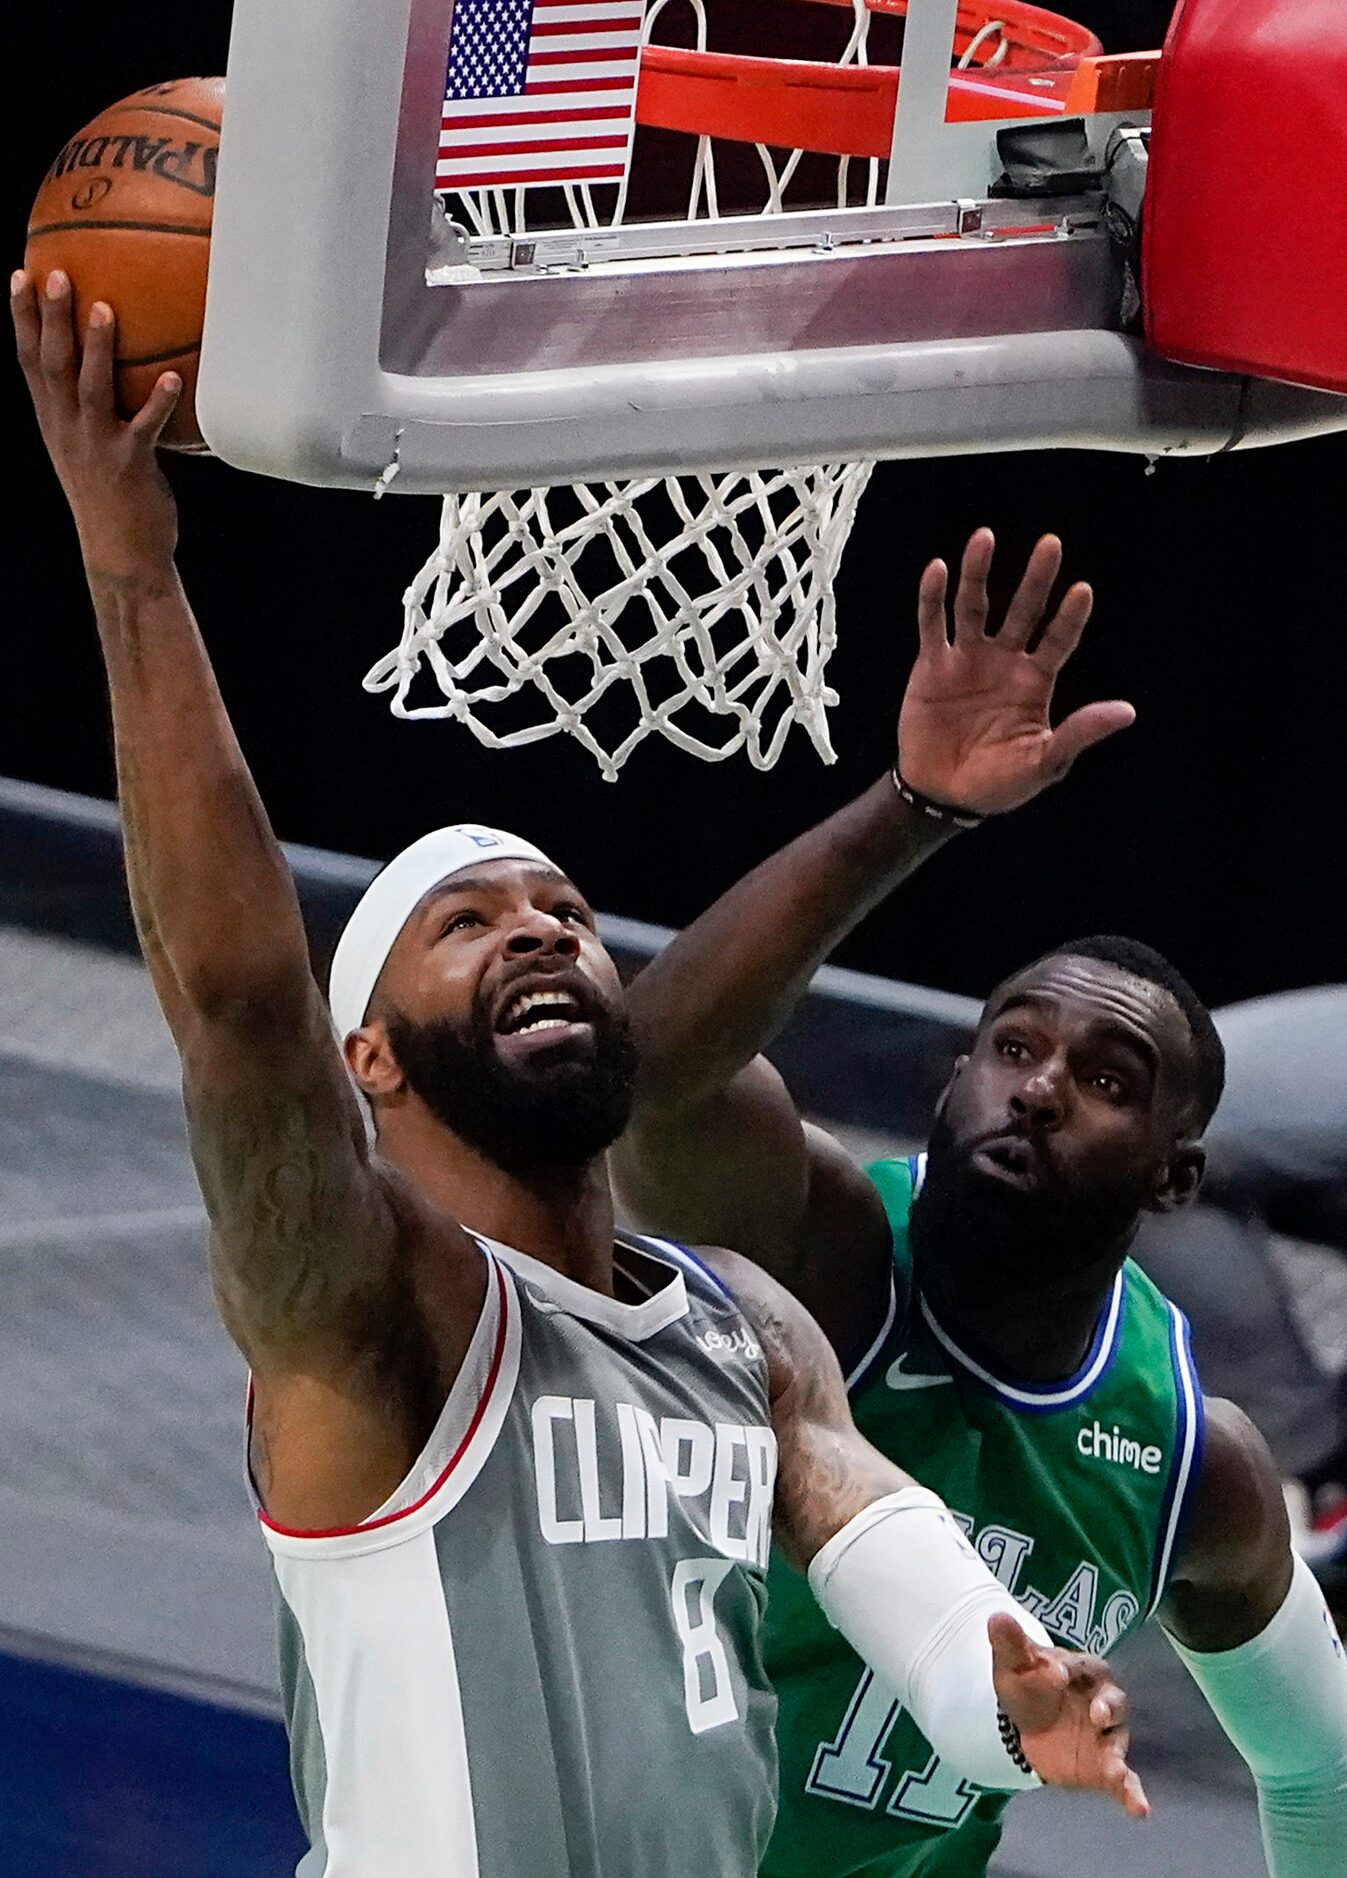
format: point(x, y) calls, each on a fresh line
point(1143, 1290)
point(1238, 1507)
point(1238, 1467)
point(752, 1289)
point(790, 1335)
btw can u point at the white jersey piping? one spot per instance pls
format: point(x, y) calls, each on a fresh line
point(379, 1649)
point(1189, 1458)
point(637, 1323)
point(858, 1374)
point(1026, 1396)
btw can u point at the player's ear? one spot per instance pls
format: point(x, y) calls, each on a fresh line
point(960, 1064)
point(1180, 1178)
point(370, 1059)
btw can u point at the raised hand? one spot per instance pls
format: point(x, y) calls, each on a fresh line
point(975, 729)
point(120, 498)
point(1070, 1713)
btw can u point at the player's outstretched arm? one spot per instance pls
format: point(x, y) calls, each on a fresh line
point(716, 1151)
point(1253, 1629)
point(897, 1577)
point(300, 1226)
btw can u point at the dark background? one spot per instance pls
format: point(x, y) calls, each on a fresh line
point(1213, 829)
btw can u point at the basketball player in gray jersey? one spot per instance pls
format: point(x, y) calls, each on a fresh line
point(517, 1473)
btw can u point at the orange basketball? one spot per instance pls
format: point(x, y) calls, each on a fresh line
point(125, 210)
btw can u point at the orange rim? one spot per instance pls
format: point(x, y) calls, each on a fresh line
point(1052, 68)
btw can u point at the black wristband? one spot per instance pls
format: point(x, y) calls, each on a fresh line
point(1011, 1742)
point(936, 811)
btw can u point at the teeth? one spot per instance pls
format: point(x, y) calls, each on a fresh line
point(519, 1011)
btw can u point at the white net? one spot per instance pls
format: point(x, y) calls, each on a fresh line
point(698, 607)
point(706, 600)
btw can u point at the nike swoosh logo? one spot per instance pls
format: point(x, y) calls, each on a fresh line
point(900, 1378)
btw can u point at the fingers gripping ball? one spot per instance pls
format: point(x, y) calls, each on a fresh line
point(125, 210)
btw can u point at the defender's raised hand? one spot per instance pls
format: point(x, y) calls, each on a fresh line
point(119, 496)
point(1070, 1714)
point(975, 729)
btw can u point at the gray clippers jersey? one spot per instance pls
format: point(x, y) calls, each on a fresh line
point(541, 1659)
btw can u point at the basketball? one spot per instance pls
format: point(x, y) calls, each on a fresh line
point(125, 211)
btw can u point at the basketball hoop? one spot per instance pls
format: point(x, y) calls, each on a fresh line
point(704, 602)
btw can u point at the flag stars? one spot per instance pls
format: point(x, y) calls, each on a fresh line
point(535, 109)
point(488, 56)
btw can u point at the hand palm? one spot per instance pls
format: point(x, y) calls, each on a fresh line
point(1070, 1715)
point(975, 730)
point(1066, 1749)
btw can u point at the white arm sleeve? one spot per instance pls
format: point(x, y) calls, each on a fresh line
point(911, 1596)
point(1282, 1699)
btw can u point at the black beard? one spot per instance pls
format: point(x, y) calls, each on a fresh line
point(558, 1111)
point(966, 1226)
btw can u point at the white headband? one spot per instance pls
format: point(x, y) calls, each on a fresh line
point(394, 895)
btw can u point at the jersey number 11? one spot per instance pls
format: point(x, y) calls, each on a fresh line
point(851, 1767)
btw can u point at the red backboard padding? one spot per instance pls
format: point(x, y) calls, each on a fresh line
point(1246, 237)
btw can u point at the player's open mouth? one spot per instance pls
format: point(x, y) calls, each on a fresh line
point(539, 1016)
point(1012, 1160)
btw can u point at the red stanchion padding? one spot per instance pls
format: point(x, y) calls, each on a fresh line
point(1245, 262)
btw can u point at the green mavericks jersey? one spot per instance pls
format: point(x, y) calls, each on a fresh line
point(1074, 1495)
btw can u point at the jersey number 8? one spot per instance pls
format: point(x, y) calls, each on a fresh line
point(708, 1687)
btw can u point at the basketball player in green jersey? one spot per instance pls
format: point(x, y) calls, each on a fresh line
point(998, 1342)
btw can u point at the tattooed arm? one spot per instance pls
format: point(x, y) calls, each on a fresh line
point(896, 1576)
point(300, 1228)
point(305, 1239)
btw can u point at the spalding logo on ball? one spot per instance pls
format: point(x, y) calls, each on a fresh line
point(125, 211)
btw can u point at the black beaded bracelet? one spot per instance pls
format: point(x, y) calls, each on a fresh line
point(937, 811)
point(1011, 1742)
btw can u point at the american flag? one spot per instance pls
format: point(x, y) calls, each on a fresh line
point(539, 91)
